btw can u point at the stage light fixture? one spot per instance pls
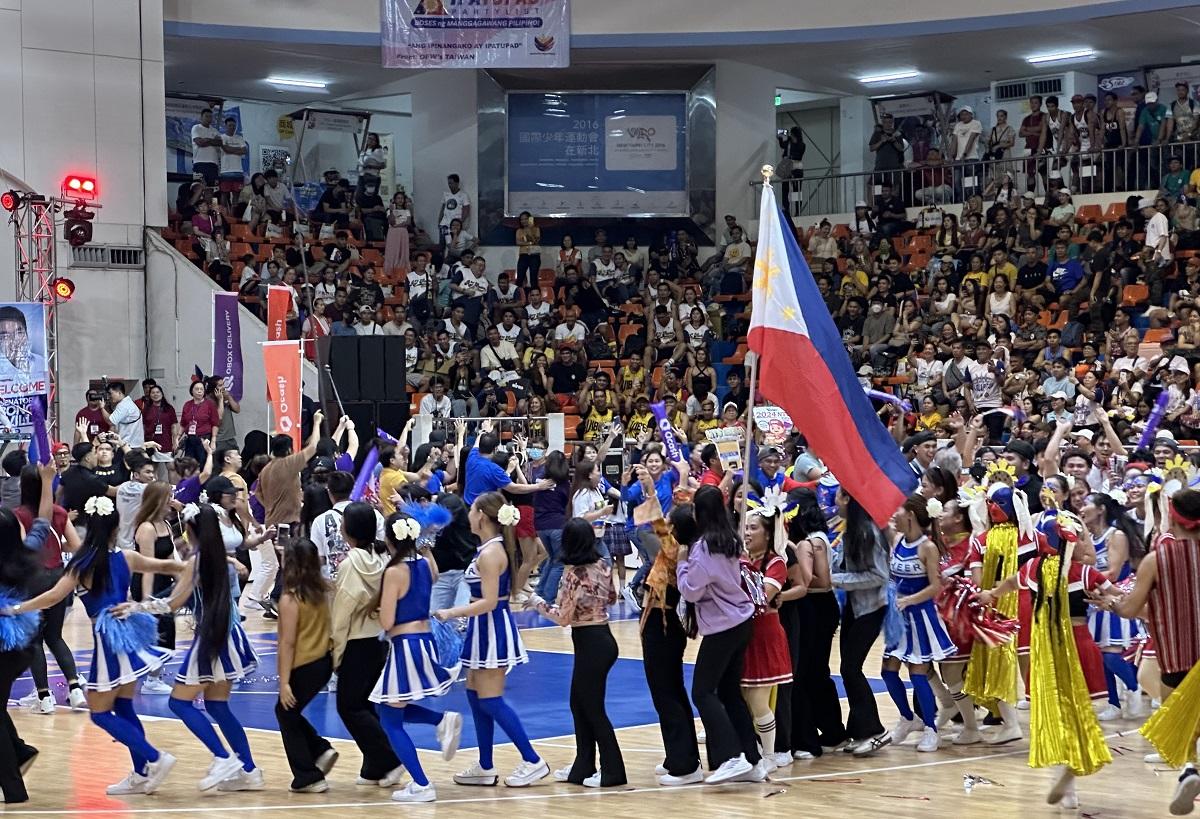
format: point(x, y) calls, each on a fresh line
point(10, 200)
point(64, 289)
point(80, 187)
point(77, 225)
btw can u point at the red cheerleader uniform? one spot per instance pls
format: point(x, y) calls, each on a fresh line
point(1081, 579)
point(768, 660)
point(960, 560)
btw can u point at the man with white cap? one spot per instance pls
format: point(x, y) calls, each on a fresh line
point(1151, 130)
point(1058, 409)
point(964, 146)
point(1157, 253)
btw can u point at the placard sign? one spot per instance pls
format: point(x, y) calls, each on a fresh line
point(729, 446)
point(775, 424)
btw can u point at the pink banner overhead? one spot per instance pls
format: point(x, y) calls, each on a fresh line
point(473, 34)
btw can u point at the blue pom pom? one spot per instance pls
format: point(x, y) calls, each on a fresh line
point(893, 621)
point(449, 643)
point(17, 631)
point(129, 635)
point(432, 517)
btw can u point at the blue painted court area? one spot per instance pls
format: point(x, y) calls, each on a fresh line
point(539, 691)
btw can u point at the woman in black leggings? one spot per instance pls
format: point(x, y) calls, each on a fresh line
point(863, 572)
point(64, 538)
point(710, 580)
point(584, 595)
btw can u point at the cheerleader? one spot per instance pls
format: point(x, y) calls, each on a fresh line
point(102, 574)
point(358, 655)
point(1119, 546)
point(20, 575)
point(413, 670)
point(220, 655)
point(492, 645)
point(915, 566)
point(584, 595)
point(768, 660)
point(961, 559)
point(1064, 732)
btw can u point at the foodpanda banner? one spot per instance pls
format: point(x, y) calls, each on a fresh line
point(281, 361)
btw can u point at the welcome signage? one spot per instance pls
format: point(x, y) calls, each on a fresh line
point(476, 33)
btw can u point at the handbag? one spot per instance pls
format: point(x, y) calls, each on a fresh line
point(785, 167)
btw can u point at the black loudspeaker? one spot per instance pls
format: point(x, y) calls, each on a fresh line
point(396, 388)
point(613, 465)
point(372, 382)
point(393, 415)
point(363, 414)
point(343, 362)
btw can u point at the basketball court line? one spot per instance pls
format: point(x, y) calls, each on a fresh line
point(531, 797)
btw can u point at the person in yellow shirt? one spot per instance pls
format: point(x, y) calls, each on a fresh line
point(394, 475)
point(633, 379)
point(641, 420)
point(705, 421)
point(978, 274)
point(929, 419)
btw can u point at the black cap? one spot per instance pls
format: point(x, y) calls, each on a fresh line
point(916, 440)
point(1022, 448)
point(220, 485)
point(323, 464)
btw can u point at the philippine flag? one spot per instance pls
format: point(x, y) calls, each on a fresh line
point(804, 368)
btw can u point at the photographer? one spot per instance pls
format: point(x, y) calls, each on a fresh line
point(791, 166)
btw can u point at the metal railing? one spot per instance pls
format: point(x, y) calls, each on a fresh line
point(1113, 170)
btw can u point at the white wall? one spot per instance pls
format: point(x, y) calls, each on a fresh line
point(179, 299)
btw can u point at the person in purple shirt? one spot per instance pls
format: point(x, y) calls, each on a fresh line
point(710, 580)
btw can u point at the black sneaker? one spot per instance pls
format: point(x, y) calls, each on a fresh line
point(269, 608)
point(270, 615)
point(992, 719)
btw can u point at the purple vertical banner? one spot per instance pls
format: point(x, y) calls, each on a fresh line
point(227, 342)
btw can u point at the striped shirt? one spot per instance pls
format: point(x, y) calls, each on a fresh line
point(1175, 604)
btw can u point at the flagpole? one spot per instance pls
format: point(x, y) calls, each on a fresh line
point(767, 171)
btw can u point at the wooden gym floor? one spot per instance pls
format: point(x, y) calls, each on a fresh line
point(78, 760)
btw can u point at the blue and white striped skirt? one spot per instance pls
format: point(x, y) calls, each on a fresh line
point(236, 660)
point(925, 636)
point(112, 669)
point(493, 641)
point(1110, 630)
point(413, 671)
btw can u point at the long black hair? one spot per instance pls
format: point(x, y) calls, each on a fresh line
point(402, 548)
point(31, 488)
point(809, 519)
point(578, 543)
point(862, 538)
point(214, 603)
point(19, 567)
point(90, 565)
point(557, 468)
point(715, 523)
point(1114, 515)
point(361, 527)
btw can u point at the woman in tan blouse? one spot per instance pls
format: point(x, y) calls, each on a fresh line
point(584, 595)
point(305, 665)
point(529, 251)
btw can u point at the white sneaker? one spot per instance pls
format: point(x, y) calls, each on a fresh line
point(660, 770)
point(1109, 713)
point(831, 749)
point(1005, 734)
point(320, 786)
point(782, 758)
point(477, 775)
point(244, 780)
point(153, 685)
point(449, 734)
point(737, 766)
point(134, 783)
point(967, 737)
point(1023, 705)
point(326, 761)
point(331, 686)
point(903, 728)
point(1153, 759)
point(562, 773)
point(803, 756)
point(1184, 800)
point(250, 605)
point(156, 772)
point(930, 741)
point(768, 762)
point(1064, 784)
point(592, 781)
point(392, 778)
point(945, 715)
point(1135, 706)
point(696, 776)
point(45, 705)
point(631, 599)
point(221, 769)
point(527, 773)
point(77, 699)
point(29, 700)
point(1070, 800)
point(412, 792)
point(758, 772)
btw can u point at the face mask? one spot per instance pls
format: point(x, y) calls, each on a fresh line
point(876, 308)
point(536, 454)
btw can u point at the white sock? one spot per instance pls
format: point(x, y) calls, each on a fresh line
point(966, 708)
point(944, 697)
point(1008, 713)
point(764, 726)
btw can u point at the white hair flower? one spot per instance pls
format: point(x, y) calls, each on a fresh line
point(406, 529)
point(1118, 495)
point(934, 507)
point(508, 515)
point(189, 512)
point(203, 499)
point(101, 506)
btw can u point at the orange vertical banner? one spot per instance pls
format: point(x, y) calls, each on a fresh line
point(279, 301)
point(281, 361)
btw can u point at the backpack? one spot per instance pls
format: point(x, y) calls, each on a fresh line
point(752, 584)
point(1072, 334)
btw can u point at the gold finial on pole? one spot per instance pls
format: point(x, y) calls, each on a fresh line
point(767, 172)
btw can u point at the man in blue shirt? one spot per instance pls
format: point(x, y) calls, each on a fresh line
point(1068, 278)
point(484, 475)
point(647, 543)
